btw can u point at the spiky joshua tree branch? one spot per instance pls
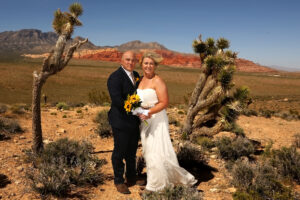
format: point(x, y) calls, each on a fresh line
point(63, 24)
point(211, 108)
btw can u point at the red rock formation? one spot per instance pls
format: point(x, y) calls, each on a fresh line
point(170, 58)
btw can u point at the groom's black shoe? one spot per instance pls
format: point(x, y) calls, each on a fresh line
point(135, 181)
point(122, 188)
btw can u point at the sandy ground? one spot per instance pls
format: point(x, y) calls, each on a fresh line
point(80, 126)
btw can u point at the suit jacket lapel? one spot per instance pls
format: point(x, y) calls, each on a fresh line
point(127, 77)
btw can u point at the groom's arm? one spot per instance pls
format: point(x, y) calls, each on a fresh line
point(115, 91)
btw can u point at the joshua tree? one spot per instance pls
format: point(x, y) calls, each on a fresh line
point(63, 24)
point(211, 108)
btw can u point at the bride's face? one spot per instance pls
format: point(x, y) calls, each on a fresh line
point(148, 66)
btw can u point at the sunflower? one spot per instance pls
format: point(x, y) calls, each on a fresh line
point(127, 106)
point(134, 98)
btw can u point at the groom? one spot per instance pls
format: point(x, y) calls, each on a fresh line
point(125, 127)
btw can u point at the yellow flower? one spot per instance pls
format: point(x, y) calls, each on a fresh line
point(137, 79)
point(134, 98)
point(127, 106)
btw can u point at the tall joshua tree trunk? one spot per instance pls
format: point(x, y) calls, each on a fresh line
point(206, 112)
point(57, 60)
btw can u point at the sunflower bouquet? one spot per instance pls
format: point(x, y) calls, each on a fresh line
point(133, 105)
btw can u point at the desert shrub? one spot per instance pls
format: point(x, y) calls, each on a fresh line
point(232, 149)
point(242, 174)
point(287, 162)
point(257, 182)
point(249, 112)
point(190, 156)
point(180, 112)
point(103, 128)
point(78, 111)
point(62, 106)
point(174, 193)
point(9, 126)
point(174, 121)
point(61, 164)
point(98, 97)
point(266, 113)
point(205, 142)
point(297, 140)
point(3, 108)
point(234, 128)
point(19, 108)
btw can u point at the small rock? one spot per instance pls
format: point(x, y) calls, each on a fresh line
point(61, 130)
point(20, 168)
point(16, 141)
point(214, 190)
point(213, 156)
point(285, 99)
point(14, 155)
point(46, 141)
point(39, 185)
point(22, 137)
point(17, 182)
point(214, 149)
point(231, 190)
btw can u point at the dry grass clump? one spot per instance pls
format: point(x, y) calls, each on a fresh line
point(287, 162)
point(103, 129)
point(3, 108)
point(19, 108)
point(174, 193)
point(62, 106)
point(232, 149)
point(98, 97)
point(188, 155)
point(62, 164)
point(257, 181)
point(297, 140)
point(205, 142)
point(174, 121)
point(8, 126)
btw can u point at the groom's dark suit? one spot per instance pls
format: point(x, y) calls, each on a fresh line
point(125, 126)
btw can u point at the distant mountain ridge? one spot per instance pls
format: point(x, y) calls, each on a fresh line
point(35, 43)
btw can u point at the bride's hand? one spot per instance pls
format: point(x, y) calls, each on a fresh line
point(144, 117)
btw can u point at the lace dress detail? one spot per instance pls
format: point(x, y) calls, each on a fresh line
point(161, 160)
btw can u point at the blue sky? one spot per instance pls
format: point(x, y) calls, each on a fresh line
point(263, 31)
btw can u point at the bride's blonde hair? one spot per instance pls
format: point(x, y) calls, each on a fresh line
point(154, 56)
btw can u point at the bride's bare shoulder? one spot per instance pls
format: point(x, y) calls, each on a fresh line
point(158, 80)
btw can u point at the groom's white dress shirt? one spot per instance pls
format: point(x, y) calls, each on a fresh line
point(129, 74)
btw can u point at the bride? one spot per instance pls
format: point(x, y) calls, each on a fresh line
point(161, 161)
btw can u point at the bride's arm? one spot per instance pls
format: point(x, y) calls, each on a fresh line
point(162, 95)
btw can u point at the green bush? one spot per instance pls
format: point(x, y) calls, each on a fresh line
point(103, 128)
point(98, 97)
point(259, 182)
point(232, 149)
point(242, 174)
point(61, 164)
point(62, 106)
point(205, 142)
point(249, 112)
point(287, 162)
point(266, 113)
point(174, 193)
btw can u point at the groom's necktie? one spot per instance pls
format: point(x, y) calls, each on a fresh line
point(132, 77)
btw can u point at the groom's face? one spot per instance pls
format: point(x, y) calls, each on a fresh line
point(128, 61)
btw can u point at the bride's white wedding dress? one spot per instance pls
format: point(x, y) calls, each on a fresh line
point(161, 161)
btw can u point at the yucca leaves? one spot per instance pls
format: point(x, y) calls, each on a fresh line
point(222, 43)
point(64, 22)
point(199, 46)
point(76, 9)
point(225, 77)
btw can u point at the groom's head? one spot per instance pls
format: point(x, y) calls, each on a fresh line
point(128, 60)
